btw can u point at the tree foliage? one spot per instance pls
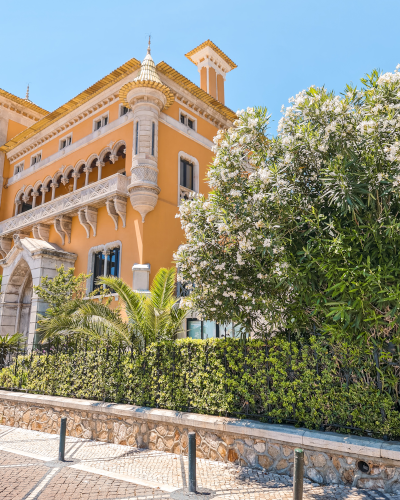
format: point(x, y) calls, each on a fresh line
point(61, 289)
point(10, 344)
point(302, 230)
point(139, 320)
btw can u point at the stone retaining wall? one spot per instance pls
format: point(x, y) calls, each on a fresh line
point(329, 457)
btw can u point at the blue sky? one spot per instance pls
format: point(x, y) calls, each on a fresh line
point(280, 47)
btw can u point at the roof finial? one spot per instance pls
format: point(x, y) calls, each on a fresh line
point(148, 48)
point(27, 93)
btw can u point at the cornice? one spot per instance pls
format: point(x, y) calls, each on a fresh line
point(36, 111)
point(217, 50)
point(196, 105)
point(11, 106)
point(60, 129)
point(115, 76)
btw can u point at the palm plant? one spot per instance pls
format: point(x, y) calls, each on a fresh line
point(10, 344)
point(143, 318)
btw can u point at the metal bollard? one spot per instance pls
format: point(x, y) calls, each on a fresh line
point(192, 462)
point(63, 432)
point(298, 474)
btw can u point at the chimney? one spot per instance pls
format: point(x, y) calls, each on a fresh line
point(213, 65)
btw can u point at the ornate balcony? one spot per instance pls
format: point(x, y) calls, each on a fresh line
point(111, 192)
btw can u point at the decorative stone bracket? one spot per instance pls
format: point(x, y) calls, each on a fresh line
point(41, 232)
point(63, 226)
point(116, 207)
point(88, 218)
point(5, 245)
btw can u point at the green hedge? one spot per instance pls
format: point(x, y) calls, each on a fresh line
point(313, 385)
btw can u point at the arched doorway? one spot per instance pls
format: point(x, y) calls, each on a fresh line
point(18, 299)
point(23, 267)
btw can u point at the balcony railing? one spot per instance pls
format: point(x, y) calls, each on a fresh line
point(69, 204)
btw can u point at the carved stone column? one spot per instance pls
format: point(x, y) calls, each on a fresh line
point(53, 186)
point(35, 194)
point(76, 176)
point(87, 171)
point(44, 191)
point(18, 203)
point(99, 165)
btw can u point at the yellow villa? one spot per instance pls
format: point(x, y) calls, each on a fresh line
point(96, 183)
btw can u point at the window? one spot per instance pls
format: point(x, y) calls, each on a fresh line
point(197, 329)
point(186, 174)
point(153, 133)
point(188, 120)
point(18, 168)
point(100, 122)
point(137, 139)
point(98, 269)
point(113, 262)
point(65, 141)
point(105, 263)
point(36, 158)
point(123, 110)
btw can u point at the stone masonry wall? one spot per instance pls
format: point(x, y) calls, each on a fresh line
point(321, 467)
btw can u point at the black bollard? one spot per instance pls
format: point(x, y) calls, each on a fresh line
point(63, 432)
point(192, 462)
point(298, 474)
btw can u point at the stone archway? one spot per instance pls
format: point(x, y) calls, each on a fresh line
point(23, 268)
point(17, 300)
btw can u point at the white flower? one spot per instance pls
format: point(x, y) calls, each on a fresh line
point(267, 243)
point(253, 122)
point(265, 175)
point(235, 193)
point(240, 261)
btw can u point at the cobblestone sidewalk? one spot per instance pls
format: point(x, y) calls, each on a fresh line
point(29, 470)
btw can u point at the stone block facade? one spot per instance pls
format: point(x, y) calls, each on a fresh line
point(329, 458)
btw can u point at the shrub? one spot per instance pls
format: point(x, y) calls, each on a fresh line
point(338, 387)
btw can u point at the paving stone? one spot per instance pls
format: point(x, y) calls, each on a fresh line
point(124, 473)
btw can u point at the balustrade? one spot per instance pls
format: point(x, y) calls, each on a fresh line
point(114, 188)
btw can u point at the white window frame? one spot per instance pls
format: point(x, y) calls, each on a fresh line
point(91, 254)
point(187, 116)
point(196, 172)
point(39, 153)
point(19, 167)
point(101, 119)
point(65, 138)
point(121, 107)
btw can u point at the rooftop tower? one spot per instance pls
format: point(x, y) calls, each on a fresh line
point(213, 65)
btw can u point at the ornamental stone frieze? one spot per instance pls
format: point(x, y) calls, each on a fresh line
point(147, 96)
